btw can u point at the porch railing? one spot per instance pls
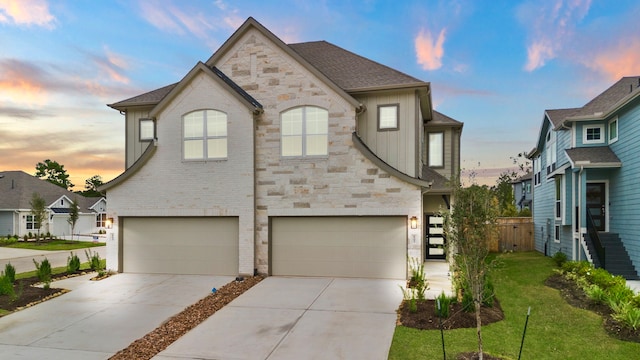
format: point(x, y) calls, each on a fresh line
point(595, 240)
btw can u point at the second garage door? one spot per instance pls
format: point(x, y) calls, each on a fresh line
point(367, 247)
point(198, 245)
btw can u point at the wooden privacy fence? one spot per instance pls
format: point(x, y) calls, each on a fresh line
point(514, 234)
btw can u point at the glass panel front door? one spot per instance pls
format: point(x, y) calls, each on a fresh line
point(434, 232)
point(596, 200)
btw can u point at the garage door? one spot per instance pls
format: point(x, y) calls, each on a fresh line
point(205, 245)
point(368, 247)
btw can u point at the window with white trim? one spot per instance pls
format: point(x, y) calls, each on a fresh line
point(593, 134)
point(551, 151)
point(147, 129)
point(558, 183)
point(436, 149)
point(304, 132)
point(204, 135)
point(31, 223)
point(537, 171)
point(101, 220)
point(388, 117)
point(613, 130)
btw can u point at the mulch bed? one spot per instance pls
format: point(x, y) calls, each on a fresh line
point(178, 325)
point(29, 295)
point(577, 298)
point(425, 318)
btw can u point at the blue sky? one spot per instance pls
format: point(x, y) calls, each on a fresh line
point(495, 65)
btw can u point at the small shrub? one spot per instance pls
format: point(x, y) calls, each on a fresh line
point(576, 267)
point(619, 295)
point(628, 314)
point(445, 303)
point(10, 272)
point(25, 237)
point(418, 281)
point(6, 286)
point(43, 271)
point(605, 279)
point(409, 295)
point(7, 241)
point(94, 260)
point(73, 263)
point(559, 258)
point(596, 293)
point(467, 302)
point(488, 293)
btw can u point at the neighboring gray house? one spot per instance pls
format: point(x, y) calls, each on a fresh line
point(301, 159)
point(16, 191)
point(522, 194)
point(586, 173)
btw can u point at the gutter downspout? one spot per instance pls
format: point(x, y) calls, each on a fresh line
point(581, 234)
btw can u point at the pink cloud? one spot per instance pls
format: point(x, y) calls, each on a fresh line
point(429, 51)
point(551, 26)
point(620, 59)
point(26, 12)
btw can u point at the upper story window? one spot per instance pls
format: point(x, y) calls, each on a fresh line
point(558, 183)
point(147, 129)
point(204, 135)
point(593, 134)
point(551, 151)
point(388, 117)
point(436, 149)
point(536, 171)
point(304, 132)
point(613, 130)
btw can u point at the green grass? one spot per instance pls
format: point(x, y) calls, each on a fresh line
point(556, 330)
point(55, 245)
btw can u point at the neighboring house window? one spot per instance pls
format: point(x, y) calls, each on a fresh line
point(613, 130)
point(305, 132)
point(558, 181)
point(551, 151)
point(436, 149)
point(388, 117)
point(536, 171)
point(31, 222)
point(557, 234)
point(147, 129)
point(101, 220)
point(593, 134)
point(205, 135)
point(528, 187)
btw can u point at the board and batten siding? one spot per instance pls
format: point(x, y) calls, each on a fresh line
point(624, 193)
point(134, 147)
point(451, 146)
point(396, 147)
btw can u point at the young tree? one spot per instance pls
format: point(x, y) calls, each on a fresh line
point(469, 227)
point(53, 173)
point(74, 214)
point(503, 191)
point(38, 211)
point(91, 186)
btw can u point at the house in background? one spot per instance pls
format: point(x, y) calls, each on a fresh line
point(586, 173)
point(16, 192)
point(522, 194)
point(302, 159)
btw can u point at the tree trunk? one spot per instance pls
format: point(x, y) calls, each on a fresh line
point(479, 329)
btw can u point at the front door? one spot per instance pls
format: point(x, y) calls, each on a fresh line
point(596, 204)
point(435, 244)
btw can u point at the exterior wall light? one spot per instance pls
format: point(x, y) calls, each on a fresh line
point(109, 223)
point(414, 222)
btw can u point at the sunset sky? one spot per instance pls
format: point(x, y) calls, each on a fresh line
point(495, 65)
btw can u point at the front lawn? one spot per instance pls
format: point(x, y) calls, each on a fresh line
point(54, 245)
point(556, 330)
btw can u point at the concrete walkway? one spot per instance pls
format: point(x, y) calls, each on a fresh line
point(22, 259)
point(99, 318)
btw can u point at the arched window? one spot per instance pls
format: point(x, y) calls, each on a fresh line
point(204, 135)
point(304, 132)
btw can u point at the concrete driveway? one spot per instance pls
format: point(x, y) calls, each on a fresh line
point(298, 318)
point(99, 318)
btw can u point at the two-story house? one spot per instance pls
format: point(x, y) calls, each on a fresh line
point(300, 159)
point(522, 194)
point(585, 175)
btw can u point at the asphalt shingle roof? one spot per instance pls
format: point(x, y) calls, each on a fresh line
point(442, 119)
point(17, 188)
point(351, 72)
point(593, 156)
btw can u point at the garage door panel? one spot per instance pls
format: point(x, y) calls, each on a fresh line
point(372, 247)
point(207, 246)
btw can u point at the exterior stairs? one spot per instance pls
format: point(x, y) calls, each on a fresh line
point(617, 260)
